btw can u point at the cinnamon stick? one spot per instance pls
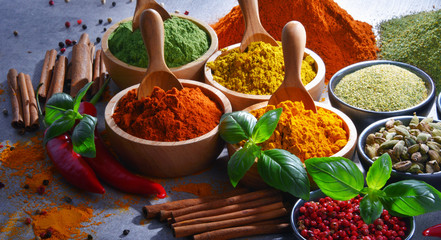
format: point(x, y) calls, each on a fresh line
point(151, 211)
point(24, 100)
point(34, 124)
point(229, 208)
point(237, 214)
point(96, 72)
point(46, 72)
point(81, 68)
point(15, 95)
point(225, 202)
point(184, 231)
point(244, 231)
point(103, 71)
point(57, 82)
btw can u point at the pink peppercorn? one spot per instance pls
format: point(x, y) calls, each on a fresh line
point(41, 189)
point(79, 21)
point(67, 24)
point(27, 221)
point(62, 50)
point(68, 42)
point(51, 2)
point(186, 12)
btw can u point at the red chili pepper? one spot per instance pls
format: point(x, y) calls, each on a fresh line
point(434, 231)
point(112, 172)
point(71, 165)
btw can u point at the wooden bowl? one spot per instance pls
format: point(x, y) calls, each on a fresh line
point(167, 159)
point(252, 178)
point(125, 75)
point(240, 101)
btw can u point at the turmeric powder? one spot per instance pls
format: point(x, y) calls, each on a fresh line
point(304, 133)
point(258, 71)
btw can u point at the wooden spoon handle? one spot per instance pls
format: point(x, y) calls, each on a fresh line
point(152, 31)
point(293, 44)
point(142, 5)
point(250, 12)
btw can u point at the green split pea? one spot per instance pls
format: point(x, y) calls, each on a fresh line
point(184, 42)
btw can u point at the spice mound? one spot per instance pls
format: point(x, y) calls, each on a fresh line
point(414, 147)
point(381, 88)
point(184, 42)
point(259, 71)
point(304, 133)
point(167, 116)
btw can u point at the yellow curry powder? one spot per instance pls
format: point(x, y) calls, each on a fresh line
point(259, 70)
point(304, 133)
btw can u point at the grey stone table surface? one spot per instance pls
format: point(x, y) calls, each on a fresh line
point(40, 27)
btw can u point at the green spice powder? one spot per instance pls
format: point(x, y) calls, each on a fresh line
point(381, 88)
point(414, 39)
point(184, 42)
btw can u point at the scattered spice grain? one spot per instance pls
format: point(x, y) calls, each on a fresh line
point(381, 88)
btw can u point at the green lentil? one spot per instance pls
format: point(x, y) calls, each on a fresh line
point(381, 88)
point(414, 39)
point(184, 42)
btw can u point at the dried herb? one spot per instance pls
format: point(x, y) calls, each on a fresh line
point(414, 39)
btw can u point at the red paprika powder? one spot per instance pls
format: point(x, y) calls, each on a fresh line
point(167, 116)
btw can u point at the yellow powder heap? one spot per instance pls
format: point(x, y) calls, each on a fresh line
point(260, 70)
point(304, 133)
point(65, 221)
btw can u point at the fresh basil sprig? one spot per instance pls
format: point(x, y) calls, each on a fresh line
point(341, 179)
point(278, 168)
point(62, 114)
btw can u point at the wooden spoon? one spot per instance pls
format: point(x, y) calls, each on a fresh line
point(158, 74)
point(254, 30)
point(142, 5)
point(293, 44)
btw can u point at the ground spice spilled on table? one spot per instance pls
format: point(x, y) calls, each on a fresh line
point(167, 116)
point(304, 133)
point(260, 70)
point(331, 32)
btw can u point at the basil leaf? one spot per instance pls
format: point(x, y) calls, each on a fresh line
point(83, 137)
point(283, 170)
point(241, 162)
point(411, 198)
point(80, 95)
point(60, 126)
point(338, 177)
point(370, 208)
point(59, 100)
point(266, 125)
point(379, 172)
point(237, 126)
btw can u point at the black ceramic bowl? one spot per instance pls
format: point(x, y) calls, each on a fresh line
point(438, 106)
point(361, 117)
point(315, 196)
point(433, 179)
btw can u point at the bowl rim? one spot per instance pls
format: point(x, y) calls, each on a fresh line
point(319, 194)
point(204, 26)
point(375, 126)
point(438, 103)
point(351, 133)
point(111, 105)
point(356, 66)
point(320, 74)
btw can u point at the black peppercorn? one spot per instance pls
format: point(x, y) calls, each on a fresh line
point(98, 39)
point(100, 21)
point(61, 44)
point(113, 4)
point(89, 237)
point(45, 182)
point(126, 232)
point(26, 186)
point(5, 111)
point(105, 29)
point(84, 26)
point(74, 42)
point(15, 33)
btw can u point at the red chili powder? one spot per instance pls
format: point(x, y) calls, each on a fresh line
point(167, 116)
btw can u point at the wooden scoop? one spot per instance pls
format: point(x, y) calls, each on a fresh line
point(142, 5)
point(158, 74)
point(254, 30)
point(293, 44)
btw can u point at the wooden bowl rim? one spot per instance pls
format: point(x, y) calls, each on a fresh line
point(320, 74)
point(351, 132)
point(204, 26)
point(111, 105)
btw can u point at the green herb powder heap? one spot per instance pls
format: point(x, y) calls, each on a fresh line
point(414, 39)
point(382, 88)
point(184, 42)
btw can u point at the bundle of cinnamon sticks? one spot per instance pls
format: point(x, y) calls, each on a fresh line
point(24, 104)
point(82, 69)
point(238, 213)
